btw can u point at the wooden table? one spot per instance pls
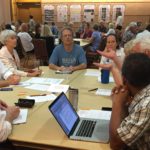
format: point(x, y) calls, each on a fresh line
point(42, 130)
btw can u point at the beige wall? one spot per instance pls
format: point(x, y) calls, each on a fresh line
point(5, 13)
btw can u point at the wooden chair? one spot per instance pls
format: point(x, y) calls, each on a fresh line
point(40, 51)
point(91, 58)
point(21, 52)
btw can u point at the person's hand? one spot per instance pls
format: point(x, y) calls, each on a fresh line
point(62, 68)
point(12, 112)
point(70, 68)
point(13, 79)
point(3, 105)
point(104, 66)
point(35, 73)
point(120, 95)
point(109, 54)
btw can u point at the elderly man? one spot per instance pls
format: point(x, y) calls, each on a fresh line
point(130, 33)
point(67, 56)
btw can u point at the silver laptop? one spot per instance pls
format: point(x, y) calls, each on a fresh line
point(77, 128)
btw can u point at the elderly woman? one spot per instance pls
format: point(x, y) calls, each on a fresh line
point(10, 57)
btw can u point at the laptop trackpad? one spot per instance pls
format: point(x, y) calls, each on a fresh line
point(100, 132)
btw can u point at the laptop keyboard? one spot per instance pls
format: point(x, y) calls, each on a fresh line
point(86, 128)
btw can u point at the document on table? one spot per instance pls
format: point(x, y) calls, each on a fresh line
point(38, 87)
point(22, 118)
point(95, 73)
point(45, 98)
point(103, 92)
point(49, 81)
point(58, 88)
point(95, 114)
point(111, 79)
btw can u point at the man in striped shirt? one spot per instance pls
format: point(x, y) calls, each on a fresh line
point(130, 119)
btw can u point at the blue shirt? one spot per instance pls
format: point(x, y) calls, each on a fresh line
point(96, 35)
point(61, 57)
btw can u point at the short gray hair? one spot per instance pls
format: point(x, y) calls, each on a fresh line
point(5, 34)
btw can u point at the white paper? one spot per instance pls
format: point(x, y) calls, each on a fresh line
point(103, 92)
point(58, 88)
point(39, 99)
point(95, 73)
point(22, 118)
point(111, 79)
point(95, 114)
point(38, 87)
point(49, 81)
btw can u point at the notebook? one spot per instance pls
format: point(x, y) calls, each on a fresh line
point(76, 128)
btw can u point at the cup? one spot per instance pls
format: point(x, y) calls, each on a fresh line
point(105, 76)
point(73, 97)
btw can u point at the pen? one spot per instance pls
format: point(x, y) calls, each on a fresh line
point(6, 89)
point(93, 89)
point(38, 95)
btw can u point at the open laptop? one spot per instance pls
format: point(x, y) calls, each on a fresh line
point(77, 128)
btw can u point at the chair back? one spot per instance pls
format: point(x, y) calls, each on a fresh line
point(40, 49)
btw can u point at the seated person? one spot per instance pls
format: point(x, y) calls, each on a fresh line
point(25, 38)
point(10, 57)
point(130, 118)
point(95, 39)
point(7, 115)
point(87, 33)
point(67, 56)
point(6, 76)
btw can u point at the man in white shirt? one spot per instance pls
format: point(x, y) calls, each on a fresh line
point(6, 74)
point(25, 38)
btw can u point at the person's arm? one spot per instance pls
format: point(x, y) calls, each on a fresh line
point(55, 67)
point(79, 67)
point(119, 112)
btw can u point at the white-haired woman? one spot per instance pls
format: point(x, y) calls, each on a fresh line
point(9, 56)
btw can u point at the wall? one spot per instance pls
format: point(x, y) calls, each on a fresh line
point(135, 10)
point(5, 15)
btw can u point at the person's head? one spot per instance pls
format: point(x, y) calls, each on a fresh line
point(24, 27)
point(141, 45)
point(111, 25)
point(31, 17)
point(136, 70)
point(66, 36)
point(133, 27)
point(111, 41)
point(148, 27)
point(95, 27)
point(53, 23)
point(87, 25)
point(37, 28)
point(8, 27)
point(128, 47)
point(8, 38)
point(119, 13)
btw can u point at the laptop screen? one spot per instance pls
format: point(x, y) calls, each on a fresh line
point(64, 113)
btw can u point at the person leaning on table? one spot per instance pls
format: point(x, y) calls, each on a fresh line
point(7, 115)
point(9, 56)
point(7, 77)
point(67, 56)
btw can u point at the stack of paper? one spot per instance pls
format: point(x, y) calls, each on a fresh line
point(39, 87)
point(103, 92)
point(48, 81)
point(45, 98)
point(58, 88)
point(95, 73)
point(22, 118)
point(95, 114)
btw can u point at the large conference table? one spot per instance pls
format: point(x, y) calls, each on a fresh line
point(41, 129)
